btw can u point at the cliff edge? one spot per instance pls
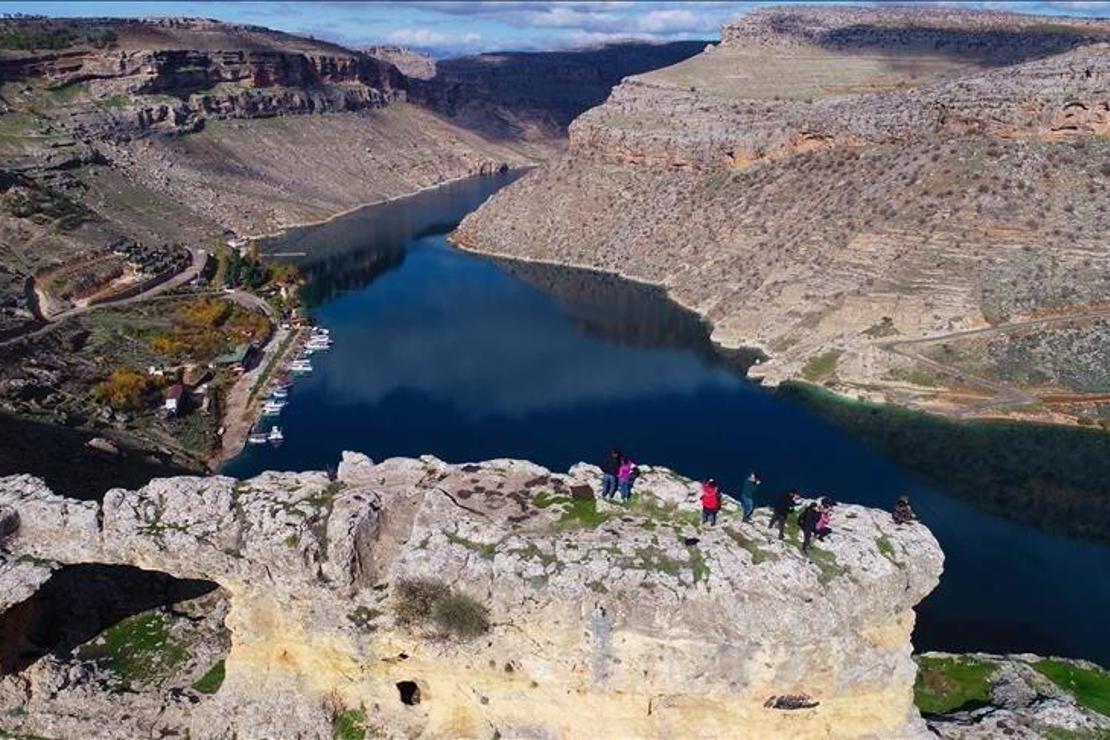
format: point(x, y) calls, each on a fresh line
point(415, 597)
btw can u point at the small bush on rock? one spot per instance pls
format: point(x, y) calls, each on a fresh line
point(460, 615)
point(414, 598)
point(419, 600)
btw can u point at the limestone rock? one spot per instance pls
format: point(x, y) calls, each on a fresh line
point(600, 619)
point(1024, 703)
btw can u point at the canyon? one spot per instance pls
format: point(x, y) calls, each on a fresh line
point(129, 148)
point(412, 597)
point(900, 205)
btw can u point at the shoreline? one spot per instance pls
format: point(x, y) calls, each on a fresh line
point(284, 229)
point(722, 347)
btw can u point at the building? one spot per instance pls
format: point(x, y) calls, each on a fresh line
point(174, 396)
point(239, 359)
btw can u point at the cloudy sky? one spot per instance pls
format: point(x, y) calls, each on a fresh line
point(461, 27)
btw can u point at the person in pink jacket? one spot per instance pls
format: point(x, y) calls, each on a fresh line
point(625, 475)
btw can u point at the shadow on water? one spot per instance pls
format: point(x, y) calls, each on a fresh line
point(471, 358)
point(1055, 478)
point(624, 312)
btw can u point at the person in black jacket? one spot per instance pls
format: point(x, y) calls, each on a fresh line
point(784, 504)
point(610, 466)
point(807, 520)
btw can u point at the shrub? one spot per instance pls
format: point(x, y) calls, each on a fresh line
point(419, 600)
point(415, 598)
point(460, 615)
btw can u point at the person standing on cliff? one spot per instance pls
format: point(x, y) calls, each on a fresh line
point(710, 501)
point(626, 474)
point(747, 495)
point(807, 520)
point(784, 504)
point(610, 468)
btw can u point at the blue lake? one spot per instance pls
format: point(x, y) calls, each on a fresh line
point(467, 358)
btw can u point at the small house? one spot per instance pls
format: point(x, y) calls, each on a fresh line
point(174, 395)
point(238, 360)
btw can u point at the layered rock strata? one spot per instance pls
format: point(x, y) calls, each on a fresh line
point(599, 620)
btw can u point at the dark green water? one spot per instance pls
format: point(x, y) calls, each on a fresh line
point(443, 352)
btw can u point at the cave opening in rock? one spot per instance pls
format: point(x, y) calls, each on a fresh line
point(410, 692)
point(79, 602)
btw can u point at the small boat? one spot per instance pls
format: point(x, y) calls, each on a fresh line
point(272, 408)
point(275, 434)
point(301, 366)
point(279, 393)
point(322, 331)
point(257, 438)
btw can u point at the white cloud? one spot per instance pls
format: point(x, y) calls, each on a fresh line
point(428, 38)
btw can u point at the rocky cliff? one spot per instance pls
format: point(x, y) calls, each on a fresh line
point(830, 185)
point(413, 597)
point(535, 95)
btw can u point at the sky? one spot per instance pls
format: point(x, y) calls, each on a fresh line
point(447, 28)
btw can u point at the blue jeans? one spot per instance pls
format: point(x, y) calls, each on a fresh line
point(625, 487)
point(748, 505)
point(608, 485)
point(708, 516)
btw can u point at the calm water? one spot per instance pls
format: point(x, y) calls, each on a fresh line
point(438, 351)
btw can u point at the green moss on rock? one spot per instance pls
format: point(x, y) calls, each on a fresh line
point(949, 684)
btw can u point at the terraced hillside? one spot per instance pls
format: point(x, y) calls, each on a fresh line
point(829, 184)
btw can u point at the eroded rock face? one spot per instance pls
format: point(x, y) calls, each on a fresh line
point(603, 620)
point(828, 182)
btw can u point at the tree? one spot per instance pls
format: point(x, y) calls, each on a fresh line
point(125, 388)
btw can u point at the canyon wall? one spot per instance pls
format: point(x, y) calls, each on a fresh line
point(567, 616)
point(827, 183)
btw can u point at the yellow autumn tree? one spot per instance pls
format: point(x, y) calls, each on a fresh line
point(125, 388)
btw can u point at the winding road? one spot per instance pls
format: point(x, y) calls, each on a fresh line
point(1005, 395)
point(195, 268)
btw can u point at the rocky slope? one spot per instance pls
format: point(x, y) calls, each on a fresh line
point(413, 597)
point(827, 183)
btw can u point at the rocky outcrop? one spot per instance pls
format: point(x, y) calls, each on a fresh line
point(556, 614)
point(827, 182)
point(1022, 696)
point(412, 63)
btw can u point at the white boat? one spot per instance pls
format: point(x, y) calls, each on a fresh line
point(301, 366)
point(279, 393)
point(272, 408)
point(275, 434)
point(257, 438)
point(321, 331)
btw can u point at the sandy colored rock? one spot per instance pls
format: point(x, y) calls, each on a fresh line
point(602, 619)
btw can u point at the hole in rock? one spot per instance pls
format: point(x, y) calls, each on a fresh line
point(410, 692)
point(690, 541)
point(78, 602)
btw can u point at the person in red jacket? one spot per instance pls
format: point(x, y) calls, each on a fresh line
point(710, 501)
